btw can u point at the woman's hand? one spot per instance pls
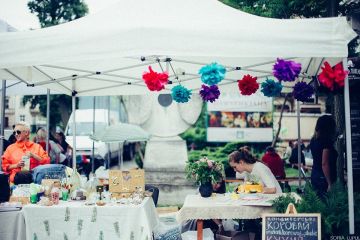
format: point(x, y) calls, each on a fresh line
point(20, 164)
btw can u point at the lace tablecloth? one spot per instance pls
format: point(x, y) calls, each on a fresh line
point(74, 220)
point(225, 207)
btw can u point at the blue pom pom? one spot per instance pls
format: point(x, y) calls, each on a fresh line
point(212, 74)
point(270, 88)
point(180, 94)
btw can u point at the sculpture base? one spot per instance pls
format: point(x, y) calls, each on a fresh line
point(164, 165)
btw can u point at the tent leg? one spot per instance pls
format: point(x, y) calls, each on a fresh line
point(349, 152)
point(3, 96)
point(298, 141)
point(74, 131)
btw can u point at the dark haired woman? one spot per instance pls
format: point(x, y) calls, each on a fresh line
point(243, 161)
point(323, 173)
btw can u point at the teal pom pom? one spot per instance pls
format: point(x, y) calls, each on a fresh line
point(180, 94)
point(270, 88)
point(212, 74)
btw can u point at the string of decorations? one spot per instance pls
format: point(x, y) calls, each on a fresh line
point(283, 70)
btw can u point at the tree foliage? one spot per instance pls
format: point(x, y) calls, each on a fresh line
point(54, 12)
point(49, 13)
point(60, 107)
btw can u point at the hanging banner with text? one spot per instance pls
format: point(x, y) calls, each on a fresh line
point(234, 117)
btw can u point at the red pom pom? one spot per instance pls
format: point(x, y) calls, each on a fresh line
point(248, 85)
point(334, 77)
point(155, 81)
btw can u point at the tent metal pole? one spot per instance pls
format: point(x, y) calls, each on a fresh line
point(349, 152)
point(3, 96)
point(93, 143)
point(108, 144)
point(47, 119)
point(73, 101)
point(298, 140)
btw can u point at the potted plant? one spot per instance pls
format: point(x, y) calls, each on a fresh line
point(205, 172)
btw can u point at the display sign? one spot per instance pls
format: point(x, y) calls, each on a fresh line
point(234, 117)
point(123, 183)
point(293, 226)
point(354, 89)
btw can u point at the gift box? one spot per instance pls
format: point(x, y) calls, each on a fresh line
point(232, 235)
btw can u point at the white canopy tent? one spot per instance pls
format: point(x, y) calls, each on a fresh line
point(106, 53)
point(103, 51)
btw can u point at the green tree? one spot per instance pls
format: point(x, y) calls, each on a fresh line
point(49, 13)
point(60, 107)
point(54, 12)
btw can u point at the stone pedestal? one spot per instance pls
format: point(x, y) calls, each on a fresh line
point(164, 165)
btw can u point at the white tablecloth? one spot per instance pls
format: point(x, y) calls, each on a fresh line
point(224, 207)
point(74, 220)
point(12, 225)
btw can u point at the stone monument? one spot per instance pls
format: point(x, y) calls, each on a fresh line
point(166, 152)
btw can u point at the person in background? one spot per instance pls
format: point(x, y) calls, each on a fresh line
point(12, 138)
point(54, 149)
point(12, 162)
point(287, 153)
point(323, 173)
point(274, 162)
point(243, 161)
point(66, 148)
point(294, 155)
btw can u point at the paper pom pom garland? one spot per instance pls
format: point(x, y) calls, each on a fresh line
point(248, 85)
point(332, 77)
point(286, 71)
point(270, 88)
point(212, 74)
point(180, 94)
point(209, 94)
point(302, 91)
point(155, 81)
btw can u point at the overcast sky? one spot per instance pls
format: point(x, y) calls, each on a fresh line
point(17, 14)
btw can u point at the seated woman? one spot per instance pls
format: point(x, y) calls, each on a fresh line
point(243, 161)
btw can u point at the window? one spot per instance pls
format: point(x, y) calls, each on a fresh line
point(22, 118)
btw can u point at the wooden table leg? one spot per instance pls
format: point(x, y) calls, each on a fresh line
point(199, 224)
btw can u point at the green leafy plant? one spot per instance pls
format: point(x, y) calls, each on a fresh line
point(204, 170)
point(333, 208)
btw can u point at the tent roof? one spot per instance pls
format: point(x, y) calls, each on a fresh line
point(103, 51)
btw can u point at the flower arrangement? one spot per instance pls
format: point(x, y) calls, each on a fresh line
point(155, 81)
point(285, 70)
point(205, 171)
point(209, 94)
point(332, 77)
point(212, 74)
point(180, 94)
point(248, 85)
point(270, 88)
point(302, 91)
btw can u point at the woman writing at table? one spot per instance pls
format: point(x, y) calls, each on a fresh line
point(243, 161)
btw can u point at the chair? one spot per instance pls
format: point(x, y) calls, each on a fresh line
point(50, 171)
point(155, 192)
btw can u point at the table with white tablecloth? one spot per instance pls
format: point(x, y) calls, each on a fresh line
point(225, 206)
point(75, 220)
point(12, 225)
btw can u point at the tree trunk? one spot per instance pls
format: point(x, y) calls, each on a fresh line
point(279, 123)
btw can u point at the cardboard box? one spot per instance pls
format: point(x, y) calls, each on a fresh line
point(232, 235)
point(123, 183)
